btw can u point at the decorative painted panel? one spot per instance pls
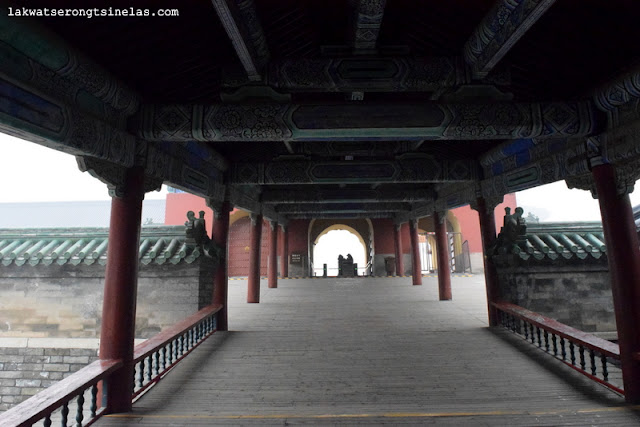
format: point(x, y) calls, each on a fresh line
point(357, 121)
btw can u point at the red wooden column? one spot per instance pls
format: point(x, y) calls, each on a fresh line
point(398, 249)
point(272, 268)
point(416, 266)
point(488, 232)
point(220, 236)
point(624, 266)
point(253, 291)
point(284, 257)
point(120, 289)
point(442, 248)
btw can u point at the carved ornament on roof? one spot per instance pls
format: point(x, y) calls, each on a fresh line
point(196, 233)
point(512, 233)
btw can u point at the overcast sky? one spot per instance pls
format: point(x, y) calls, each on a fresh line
point(31, 172)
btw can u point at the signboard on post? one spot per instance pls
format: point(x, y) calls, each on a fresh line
point(296, 258)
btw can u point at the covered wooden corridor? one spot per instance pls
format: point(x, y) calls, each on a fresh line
point(370, 351)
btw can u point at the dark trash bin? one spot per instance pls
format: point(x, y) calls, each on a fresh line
point(390, 265)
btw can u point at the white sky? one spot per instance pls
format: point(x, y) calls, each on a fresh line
point(31, 173)
point(34, 173)
point(555, 202)
point(342, 240)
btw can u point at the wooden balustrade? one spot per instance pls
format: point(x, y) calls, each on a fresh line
point(157, 355)
point(570, 345)
point(54, 402)
point(153, 358)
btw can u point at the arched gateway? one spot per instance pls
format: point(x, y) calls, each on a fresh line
point(363, 226)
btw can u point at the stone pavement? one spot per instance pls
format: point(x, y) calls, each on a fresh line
point(370, 351)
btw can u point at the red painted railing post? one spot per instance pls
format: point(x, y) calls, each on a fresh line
point(623, 256)
point(442, 248)
point(120, 289)
point(398, 249)
point(284, 258)
point(272, 268)
point(220, 236)
point(488, 232)
point(253, 288)
point(416, 266)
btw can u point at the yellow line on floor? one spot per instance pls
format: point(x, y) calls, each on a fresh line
point(386, 414)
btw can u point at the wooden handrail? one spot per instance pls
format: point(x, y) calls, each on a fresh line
point(48, 400)
point(161, 339)
point(585, 339)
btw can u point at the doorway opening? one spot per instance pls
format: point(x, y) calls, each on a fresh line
point(332, 244)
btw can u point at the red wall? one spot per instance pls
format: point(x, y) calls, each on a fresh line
point(383, 235)
point(470, 224)
point(240, 248)
point(299, 236)
point(179, 203)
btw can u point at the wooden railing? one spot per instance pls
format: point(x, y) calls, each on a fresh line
point(54, 403)
point(570, 345)
point(153, 359)
point(156, 356)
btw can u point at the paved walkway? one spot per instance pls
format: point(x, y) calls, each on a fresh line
point(370, 352)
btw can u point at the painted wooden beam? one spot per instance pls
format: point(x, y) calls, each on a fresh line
point(66, 129)
point(363, 121)
point(406, 169)
point(450, 196)
point(342, 208)
point(245, 198)
point(619, 98)
point(334, 215)
point(367, 74)
point(240, 21)
point(500, 29)
point(248, 198)
point(26, 114)
point(366, 23)
point(54, 96)
point(34, 55)
point(346, 195)
point(29, 115)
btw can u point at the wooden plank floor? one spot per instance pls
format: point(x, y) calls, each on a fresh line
point(370, 352)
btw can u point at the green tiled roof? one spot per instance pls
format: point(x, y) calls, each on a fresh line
point(158, 245)
point(557, 241)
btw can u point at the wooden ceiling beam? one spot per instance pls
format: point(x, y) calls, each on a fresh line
point(408, 168)
point(325, 208)
point(240, 20)
point(330, 121)
point(343, 215)
point(499, 30)
point(365, 73)
point(365, 27)
point(346, 195)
